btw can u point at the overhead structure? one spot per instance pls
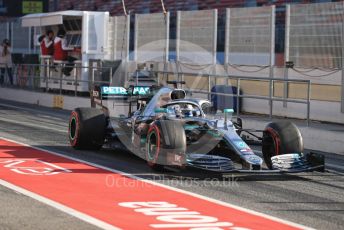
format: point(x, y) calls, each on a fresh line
point(48, 19)
point(87, 37)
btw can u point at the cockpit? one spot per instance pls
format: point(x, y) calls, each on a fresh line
point(183, 109)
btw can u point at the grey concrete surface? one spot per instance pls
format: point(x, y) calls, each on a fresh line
point(21, 212)
point(312, 199)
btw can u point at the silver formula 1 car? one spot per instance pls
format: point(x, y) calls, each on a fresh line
point(171, 131)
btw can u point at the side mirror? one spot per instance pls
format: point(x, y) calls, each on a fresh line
point(227, 111)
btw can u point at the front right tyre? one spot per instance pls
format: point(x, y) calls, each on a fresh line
point(280, 138)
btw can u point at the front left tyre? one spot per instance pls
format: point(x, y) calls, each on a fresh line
point(87, 128)
point(165, 138)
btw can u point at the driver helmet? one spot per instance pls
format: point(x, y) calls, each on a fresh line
point(188, 111)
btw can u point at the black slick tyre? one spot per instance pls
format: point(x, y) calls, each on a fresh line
point(87, 128)
point(165, 137)
point(280, 138)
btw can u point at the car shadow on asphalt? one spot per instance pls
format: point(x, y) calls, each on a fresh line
point(128, 163)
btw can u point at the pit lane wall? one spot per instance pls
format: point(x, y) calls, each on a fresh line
point(44, 99)
point(50, 100)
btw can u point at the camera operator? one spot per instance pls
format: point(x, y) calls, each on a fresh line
point(5, 61)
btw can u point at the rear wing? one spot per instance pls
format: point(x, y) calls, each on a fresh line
point(101, 93)
point(117, 92)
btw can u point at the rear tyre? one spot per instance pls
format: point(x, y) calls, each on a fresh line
point(280, 138)
point(87, 128)
point(165, 137)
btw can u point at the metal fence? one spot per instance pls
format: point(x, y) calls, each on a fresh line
point(211, 80)
point(29, 77)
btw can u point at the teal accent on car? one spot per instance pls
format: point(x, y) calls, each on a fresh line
point(228, 111)
point(160, 110)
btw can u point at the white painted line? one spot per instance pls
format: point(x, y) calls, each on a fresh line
point(33, 125)
point(170, 188)
point(47, 114)
point(61, 207)
point(28, 109)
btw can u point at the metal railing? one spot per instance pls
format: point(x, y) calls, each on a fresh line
point(28, 76)
point(271, 98)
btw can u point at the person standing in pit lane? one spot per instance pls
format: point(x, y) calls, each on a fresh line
point(61, 52)
point(46, 42)
point(5, 61)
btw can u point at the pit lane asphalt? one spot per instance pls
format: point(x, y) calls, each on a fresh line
point(312, 199)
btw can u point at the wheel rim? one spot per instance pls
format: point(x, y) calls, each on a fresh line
point(152, 146)
point(72, 128)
